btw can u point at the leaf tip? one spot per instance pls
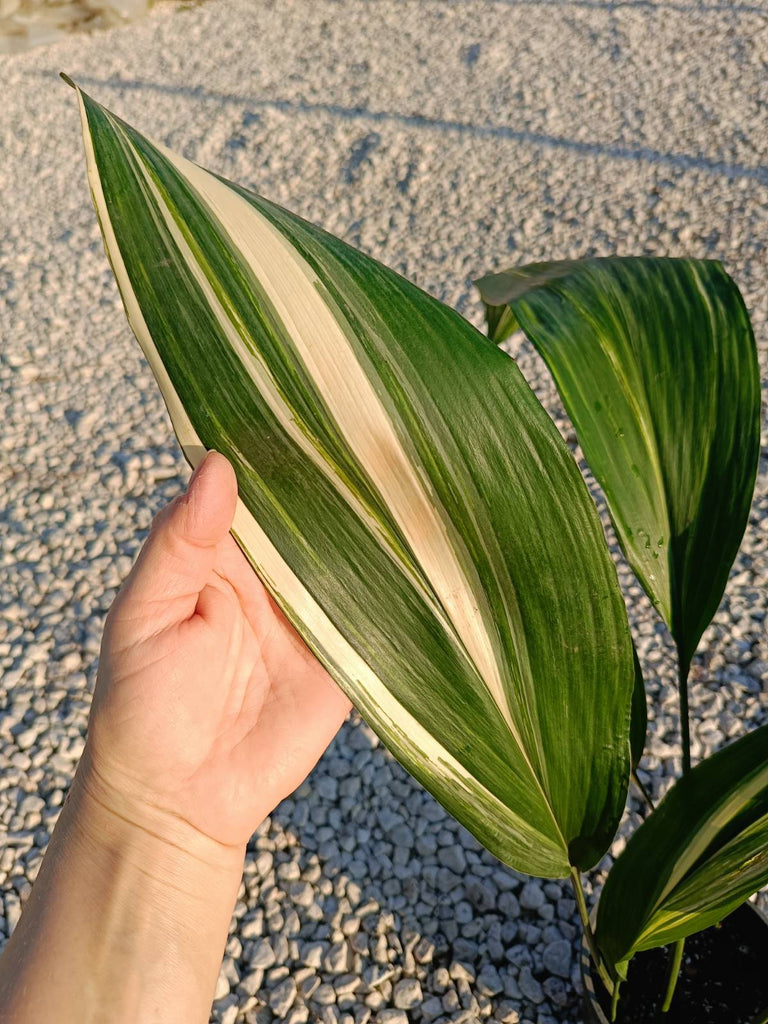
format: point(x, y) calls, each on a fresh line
point(67, 79)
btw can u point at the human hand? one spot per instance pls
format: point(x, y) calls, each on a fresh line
point(208, 708)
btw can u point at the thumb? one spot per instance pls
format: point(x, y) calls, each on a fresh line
point(179, 554)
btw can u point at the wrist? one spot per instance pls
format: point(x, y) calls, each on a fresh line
point(162, 900)
point(127, 920)
point(169, 848)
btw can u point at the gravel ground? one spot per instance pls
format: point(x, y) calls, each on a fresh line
point(445, 138)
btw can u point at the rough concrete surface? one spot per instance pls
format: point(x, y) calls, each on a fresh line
point(446, 138)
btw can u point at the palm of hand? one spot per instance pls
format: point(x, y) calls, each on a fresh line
point(208, 705)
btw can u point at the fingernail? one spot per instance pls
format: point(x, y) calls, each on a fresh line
point(199, 468)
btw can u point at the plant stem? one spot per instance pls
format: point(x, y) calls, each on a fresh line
point(674, 974)
point(684, 667)
point(643, 791)
point(597, 960)
point(615, 1000)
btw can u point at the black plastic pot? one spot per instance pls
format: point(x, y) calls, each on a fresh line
point(724, 978)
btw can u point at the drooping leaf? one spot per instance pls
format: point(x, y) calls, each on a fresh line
point(656, 364)
point(701, 853)
point(403, 496)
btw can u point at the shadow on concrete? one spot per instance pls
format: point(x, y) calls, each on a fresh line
point(617, 151)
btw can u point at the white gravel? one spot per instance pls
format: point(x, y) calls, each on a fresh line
point(446, 138)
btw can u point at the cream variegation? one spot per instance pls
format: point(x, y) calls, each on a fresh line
point(372, 431)
point(402, 495)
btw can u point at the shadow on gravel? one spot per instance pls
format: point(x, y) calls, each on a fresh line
point(644, 154)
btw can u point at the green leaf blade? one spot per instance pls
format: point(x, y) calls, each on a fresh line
point(394, 473)
point(722, 883)
point(697, 857)
point(656, 364)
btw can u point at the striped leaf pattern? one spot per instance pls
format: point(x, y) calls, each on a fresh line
point(656, 364)
point(693, 861)
point(402, 495)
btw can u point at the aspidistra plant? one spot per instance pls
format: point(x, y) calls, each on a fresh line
point(402, 494)
point(656, 364)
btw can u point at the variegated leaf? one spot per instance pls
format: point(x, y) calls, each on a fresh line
point(403, 496)
point(701, 853)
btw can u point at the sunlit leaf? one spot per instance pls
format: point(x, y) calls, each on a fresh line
point(701, 853)
point(403, 496)
point(656, 364)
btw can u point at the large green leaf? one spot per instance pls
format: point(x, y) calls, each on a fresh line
point(656, 365)
point(701, 853)
point(403, 496)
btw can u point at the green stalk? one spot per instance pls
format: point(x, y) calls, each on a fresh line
point(615, 1000)
point(597, 960)
point(643, 791)
point(684, 668)
point(674, 974)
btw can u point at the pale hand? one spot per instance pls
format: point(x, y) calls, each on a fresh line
point(208, 708)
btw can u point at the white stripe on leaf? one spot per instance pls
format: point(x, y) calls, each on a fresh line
point(256, 368)
point(363, 685)
point(361, 418)
point(282, 582)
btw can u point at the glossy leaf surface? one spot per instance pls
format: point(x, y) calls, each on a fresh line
point(403, 496)
point(701, 853)
point(656, 364)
